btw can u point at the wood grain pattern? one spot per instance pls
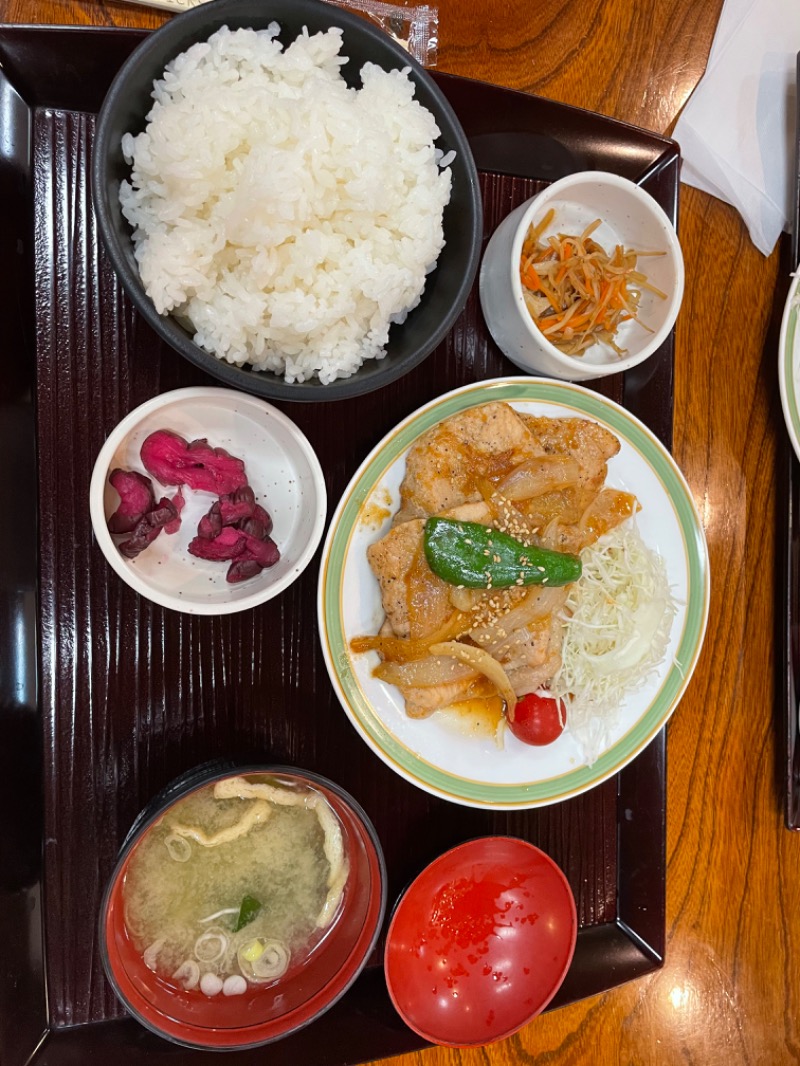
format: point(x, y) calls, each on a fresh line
point(729, 992)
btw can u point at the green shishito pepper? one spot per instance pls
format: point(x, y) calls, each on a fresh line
point(479, 557)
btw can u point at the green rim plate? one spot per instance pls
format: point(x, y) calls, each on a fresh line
point(789, 365)
point(673, 680)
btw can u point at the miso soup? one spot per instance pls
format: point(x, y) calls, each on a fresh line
point(235, 885)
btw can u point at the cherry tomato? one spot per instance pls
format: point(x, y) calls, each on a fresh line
point(538, 719)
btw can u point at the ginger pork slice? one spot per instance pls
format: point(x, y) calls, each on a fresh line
point(422, 701)
point(415, 601)
point(390, 559)
point(591, 444)
point(442, 467)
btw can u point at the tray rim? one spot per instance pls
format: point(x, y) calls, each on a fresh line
point(629, 947)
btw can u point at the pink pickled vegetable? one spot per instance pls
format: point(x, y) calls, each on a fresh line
point(233, 543)
point(264, 552)
point(246, 544)
point(210, 525)
point(228, 544)
point(236, 506)
point(255, 528)
point(242, 569)
point(235, 529)
point(178, 503)
point(135, 499)
point(148, 527)
point(257, 556)
point(228, 510)
point(264, 517)
point(173, 461)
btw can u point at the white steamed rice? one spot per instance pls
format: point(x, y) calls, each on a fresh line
point(285, 218)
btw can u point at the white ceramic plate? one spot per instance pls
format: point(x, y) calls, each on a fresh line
point(430, 752)
point(789, 364)
point(281, 467)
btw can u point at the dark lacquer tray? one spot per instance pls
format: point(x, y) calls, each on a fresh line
point(106, 697)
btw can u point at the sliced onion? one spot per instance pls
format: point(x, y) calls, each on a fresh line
point(465, 599)
point(534, 477)
point(525, 679)
point(187, 974)
point(204, 948)
point(609, 509)
point(484, 664)
point(540, 602)
point(404, 649)
point(150, 954)
point(500, 732)
point(178, 847)
point(272, 963)
point(432, 670)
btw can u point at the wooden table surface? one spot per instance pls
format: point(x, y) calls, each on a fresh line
point(729, 991)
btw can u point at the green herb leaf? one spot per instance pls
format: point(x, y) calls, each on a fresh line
point(247, 912)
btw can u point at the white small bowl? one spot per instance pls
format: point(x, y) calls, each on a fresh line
point(631, 217)
point(281, 467)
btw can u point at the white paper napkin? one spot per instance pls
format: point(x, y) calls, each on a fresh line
point(737, 131)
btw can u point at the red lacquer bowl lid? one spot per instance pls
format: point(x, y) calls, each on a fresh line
point(480, 942)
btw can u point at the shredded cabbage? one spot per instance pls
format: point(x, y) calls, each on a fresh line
point(617, 623)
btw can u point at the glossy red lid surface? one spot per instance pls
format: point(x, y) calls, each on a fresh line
point(480, 942)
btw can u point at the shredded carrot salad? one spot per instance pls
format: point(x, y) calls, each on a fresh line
point(577, 294)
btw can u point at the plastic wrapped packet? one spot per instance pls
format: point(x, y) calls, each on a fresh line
point(415, 28)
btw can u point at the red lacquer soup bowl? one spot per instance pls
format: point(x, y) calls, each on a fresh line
point(313, 981)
